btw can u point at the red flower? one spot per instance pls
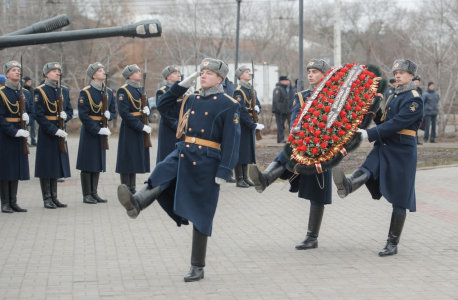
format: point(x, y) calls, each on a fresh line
point(327, 108)
point(347, 107)
point(300, 142)
point(353, 85)
point(347, 126)
point(324, 99)
point(307, 117)
point(330, 93)
point(301, 134)
point(323, 145)
point(361, 88)
point(290, 138)
point(341, 83)
point(370, 81)
point(341, 132)
point(354, 115)
point(358, 108)
point(344, 120)
point(325, 90)
point(315, 150)
point(357, 98)
point(339, 124)
point(366, 96)
point(335, 87)
point(317, 133)
point(315, 102)
point(328, 83)
point(361, 77)
point(345, 70)
point(362, 103)
point(331, 101)
point(322, 125)
point(311, 109)
point(314, 121)
point(326, 137)
point(358, 81)
point(335, 138)
point(329, 130)
point(341, 74)
point(342, 113)
point(305, 125)
point(303, 148)
point(320, 106)
point(316, 140)
point(324, 118)
point(308, 139)
point(350, 101)
point(349, 66)
point(367, 85)
point(316, 113)
point(310, 129)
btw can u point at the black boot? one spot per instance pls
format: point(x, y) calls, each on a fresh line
point(239, 177)
point(347, 185)
point(86, 187)
point(232, 180)
point(134, 204)
point(94, 185)
point(13, 197)
point(45, 184)
point(125, 179)
point(5, 196)
point(263, 180)
point(132, 179)
point(54, 193)
point(315, 218)
point(245, 175)
point(199, 251)
point(394, 234)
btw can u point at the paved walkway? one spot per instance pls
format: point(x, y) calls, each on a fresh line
point(97, 252)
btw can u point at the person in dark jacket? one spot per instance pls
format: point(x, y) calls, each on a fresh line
point(280, 100)
point(14, 162)
point(392, 86)
point(390, 168)
point(431, 100)
point(417, 80)
point(91, 158)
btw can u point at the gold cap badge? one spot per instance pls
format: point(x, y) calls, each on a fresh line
point(206, 63)
point(396, 65)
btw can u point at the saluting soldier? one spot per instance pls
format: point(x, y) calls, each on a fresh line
point(187, 182)
point(390, 168)
point(51, 163)
point(91, 158)
point(133, 156)
point(167, 127)
point(15, 164)
point(316, 188)
point(247, 151)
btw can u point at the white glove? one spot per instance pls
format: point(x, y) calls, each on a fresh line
point(25, 117)
point(219, 180)
point(146, 110)
point(363, 133)
point(63, 115)
point(22, 133)
point(147, 129)
point(61, 133)
point(104, 131)
point(257, 109)
point(190, 81)
point(259, 126)
point(107, 115)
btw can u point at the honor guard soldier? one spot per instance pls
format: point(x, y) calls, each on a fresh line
point(247, 150)
point(133, 156)
point(167, 127)
point(187, 182)
point(51, 162)
point(316, 188)
point(13, 159)
point(390, 168)
point(91, 158)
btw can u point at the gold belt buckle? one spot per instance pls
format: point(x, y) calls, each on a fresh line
point(193, 140)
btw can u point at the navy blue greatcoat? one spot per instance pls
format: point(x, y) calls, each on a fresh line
point(50, 162)
point(187, 175)
point(316, 188)
point(91, 156)
point(14, 163)
point(133, 157)
point(247, 152)
point(167, 129)
point(393, 160)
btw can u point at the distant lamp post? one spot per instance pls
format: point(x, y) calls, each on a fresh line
point(237, 40)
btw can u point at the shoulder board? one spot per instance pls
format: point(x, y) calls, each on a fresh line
point(109, 89)
point(1, 88)
point(163, 88)
point(124, 85)
point(238, 88)
point(233, 100)
point(308, 90)
point(415, 93)
point(86, 87)
point(41, 86)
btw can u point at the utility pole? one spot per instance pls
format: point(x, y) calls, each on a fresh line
point(237, 41)
point(300, 81)
point(337, 43)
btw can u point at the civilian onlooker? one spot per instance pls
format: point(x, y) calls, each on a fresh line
point(417, 80)
point(431, 102)
point(280, 106)
point(291, 92)
point(32, 123)
point(2, 80)
point(390, 90)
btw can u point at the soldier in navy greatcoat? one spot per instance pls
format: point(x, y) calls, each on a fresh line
point(187, 182)
point(167, 127)
point(91, 158)
point(247, 152)
point(15, 164)
point(390, 168)
point(316, 188)
point(51, 163)
point(133, 156)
